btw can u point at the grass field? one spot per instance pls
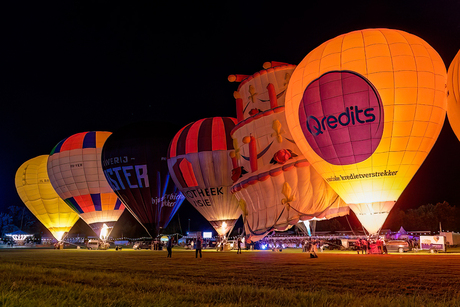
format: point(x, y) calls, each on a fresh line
point(44, 277)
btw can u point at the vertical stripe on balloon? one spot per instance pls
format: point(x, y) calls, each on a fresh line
point(183, 171)
point(253, 154)
point(86, 203)
point(239, 108)
point(57, 148)
point(229, 124)
point(73, 204)
point(73, 142)
point(181, 141)
point(272, 96)
point(89, 141)
point(218, 130)
point(118, 204)
point(192, 138)
point(172, 152)
point(205, 136)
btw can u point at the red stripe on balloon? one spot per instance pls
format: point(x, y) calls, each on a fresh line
point(73, 142)
point(181, 147)
point(219, 141)
point(85, 202)
point(188, 174)
point(172, 152)
point(272, 96)
point(178, 174)
point(229, 123)
point(253, 154)
point(192, 137)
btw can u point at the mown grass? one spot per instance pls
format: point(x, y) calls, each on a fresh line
point(39, 277)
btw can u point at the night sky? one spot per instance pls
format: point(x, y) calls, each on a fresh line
point(68, 67)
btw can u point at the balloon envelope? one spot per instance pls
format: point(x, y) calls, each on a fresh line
point(365, 108)
point(37, 193)
point(199, 162)
point(75, 172)
point(134, 163)
point(453, 97)
point(278, 187)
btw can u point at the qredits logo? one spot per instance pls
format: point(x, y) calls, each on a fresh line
point(341, 116)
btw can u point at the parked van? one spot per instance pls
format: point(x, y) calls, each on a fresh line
point(92, 244)
point(397, 246)
point(96, 244)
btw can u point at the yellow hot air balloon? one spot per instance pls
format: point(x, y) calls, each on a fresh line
point(37, 193)
point(453, 95)
point(365, 108)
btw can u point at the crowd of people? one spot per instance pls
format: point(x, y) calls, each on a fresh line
point(371, 246)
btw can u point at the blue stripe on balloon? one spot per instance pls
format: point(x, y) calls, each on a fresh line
point(97, 202)
point(73, 204)
point(117, 205)
point(57, 148)
point(90, 140)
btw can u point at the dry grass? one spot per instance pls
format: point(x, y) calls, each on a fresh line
point(37, 277)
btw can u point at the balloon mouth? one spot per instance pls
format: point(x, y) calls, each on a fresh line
point(372, 215)
point(105, 232)
point(58, 235)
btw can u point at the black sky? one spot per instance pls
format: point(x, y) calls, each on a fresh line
point(68, 67)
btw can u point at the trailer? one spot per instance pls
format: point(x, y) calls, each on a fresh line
point(433, 243)
point(452, 238)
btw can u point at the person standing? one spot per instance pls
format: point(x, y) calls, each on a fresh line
point(169, 247)
point(239, 246)
point(365, 246)
point(198, 245)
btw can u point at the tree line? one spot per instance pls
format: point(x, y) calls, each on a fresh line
point(426, 217)
point(17, 218)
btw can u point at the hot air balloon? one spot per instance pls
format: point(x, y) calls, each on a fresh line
point(365, 108)
point(199, 162)
point(453, 95)
point(75, 172)
point(278, 187)
point(37, 193)
point(134, 163)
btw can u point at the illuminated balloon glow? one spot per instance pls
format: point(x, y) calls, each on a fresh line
point(453, 96)
point(199, 162)
point(37, 193)
point(75, 172)
point(134, 163)
point(365, 108)
point(274, 183)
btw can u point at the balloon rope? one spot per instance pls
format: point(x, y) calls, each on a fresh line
point(271, 228)
point(350, 225)
point(364, 230)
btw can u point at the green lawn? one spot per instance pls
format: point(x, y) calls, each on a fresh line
point(44, 277)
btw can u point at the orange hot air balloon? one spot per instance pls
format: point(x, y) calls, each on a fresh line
point(365, 108)
point(453, 95)
point(37, 193)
